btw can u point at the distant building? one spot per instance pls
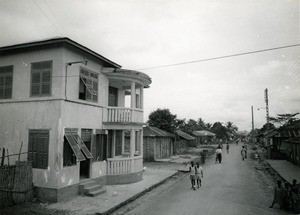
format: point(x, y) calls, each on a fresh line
point(204, 137)
point(158, 144)
point(283, 142)
point(183, 141)
point(67, 104)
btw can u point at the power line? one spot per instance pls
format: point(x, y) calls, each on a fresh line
point(220, 57)
point(47, 17)
point(51, 11)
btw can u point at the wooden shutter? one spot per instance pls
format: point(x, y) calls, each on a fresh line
point(46, 81)
point(38, 148)
point(83, 146)
point(35, 83)
point(75, 147)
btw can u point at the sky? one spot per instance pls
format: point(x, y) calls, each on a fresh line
point(147, 35)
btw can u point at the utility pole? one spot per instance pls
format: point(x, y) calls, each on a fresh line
point(252, 118)
point(268, 125)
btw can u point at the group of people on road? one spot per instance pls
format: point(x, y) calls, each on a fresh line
point(286, 197)
point(196, 174)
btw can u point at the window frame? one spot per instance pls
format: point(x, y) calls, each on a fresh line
point(90, 90)
point(35, 159)
point(40, 71)
point(6, 74)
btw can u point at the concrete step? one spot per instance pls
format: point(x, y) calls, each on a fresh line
point(96, 192)
point(87, 184)
point(92, 188)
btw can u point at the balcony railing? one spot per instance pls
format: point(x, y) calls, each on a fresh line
point(117, 166)
point(122, 114)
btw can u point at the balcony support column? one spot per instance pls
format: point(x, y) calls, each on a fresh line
point(142, 97)
point(132, 143)
point(141, 142)
point(133, 100)
point(123, 141)
point(113, 148)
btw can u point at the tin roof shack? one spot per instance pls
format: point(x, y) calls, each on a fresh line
point(293, 151)
point(183, 141)
point(66, 104)
point(204, 137)
point(280, 148)
point(157, 143)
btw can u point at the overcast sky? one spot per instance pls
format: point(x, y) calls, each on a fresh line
point(139, 34)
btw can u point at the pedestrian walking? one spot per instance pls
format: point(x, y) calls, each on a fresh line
point(295, 200)
point(237, 141)
point(219, 154)
point(243, 153)
point(192, 175)
point(199, 174)
point(227, 148)
point(279, 196)
point(287, 197)
point(245, 146)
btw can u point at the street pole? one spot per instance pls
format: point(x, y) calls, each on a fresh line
point(252, 118)
point(268, 125)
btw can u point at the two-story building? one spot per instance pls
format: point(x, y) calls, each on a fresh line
point(69, 108)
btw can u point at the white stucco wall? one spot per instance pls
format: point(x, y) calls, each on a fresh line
point(22, 113)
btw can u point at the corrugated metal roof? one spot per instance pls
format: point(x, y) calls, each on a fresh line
point(184, 135)
point(203, 133)
point(150, 131)
point(292, 130)
point(294, 140)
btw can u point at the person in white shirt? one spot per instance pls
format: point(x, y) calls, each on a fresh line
point(192, 175)
point(199, 171)
point(219, 154)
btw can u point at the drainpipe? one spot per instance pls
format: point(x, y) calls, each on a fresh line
point(66, 75)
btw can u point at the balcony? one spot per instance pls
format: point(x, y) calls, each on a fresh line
point(124, 165)
point(122, 115)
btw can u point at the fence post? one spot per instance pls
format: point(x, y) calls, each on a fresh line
point(20, 151)
point(3, 156)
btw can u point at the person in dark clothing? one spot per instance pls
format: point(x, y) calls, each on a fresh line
point(279, 195)
point(295, 196)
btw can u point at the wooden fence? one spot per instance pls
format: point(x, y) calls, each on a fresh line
point(15, 183)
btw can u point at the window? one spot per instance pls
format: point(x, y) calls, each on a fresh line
point(6, 80)
point(119, 137)
point(113, 97)
point(74, 146)
point(69, 158)
point(100, 146)
point(38, 148)
point(41, 78)
point(88, 86)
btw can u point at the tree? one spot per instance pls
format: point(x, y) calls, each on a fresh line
point(231, 128)
point(208, 126)
point(220, 130)
point(265, 127)
point(284, 119)
point(163, 119)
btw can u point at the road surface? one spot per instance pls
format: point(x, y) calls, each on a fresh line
point(234, 187)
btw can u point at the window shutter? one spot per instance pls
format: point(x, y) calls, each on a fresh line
point(46, 80)
point(8, 87)
point(2, 81)
point(35, 83)
point(38, 148)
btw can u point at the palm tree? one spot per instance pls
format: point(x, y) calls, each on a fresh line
point(231, 128)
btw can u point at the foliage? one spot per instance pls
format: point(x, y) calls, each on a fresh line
point(231, 128)
point(220, 130)
point(265, 127)
point(163, 119)
point(284, 119)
